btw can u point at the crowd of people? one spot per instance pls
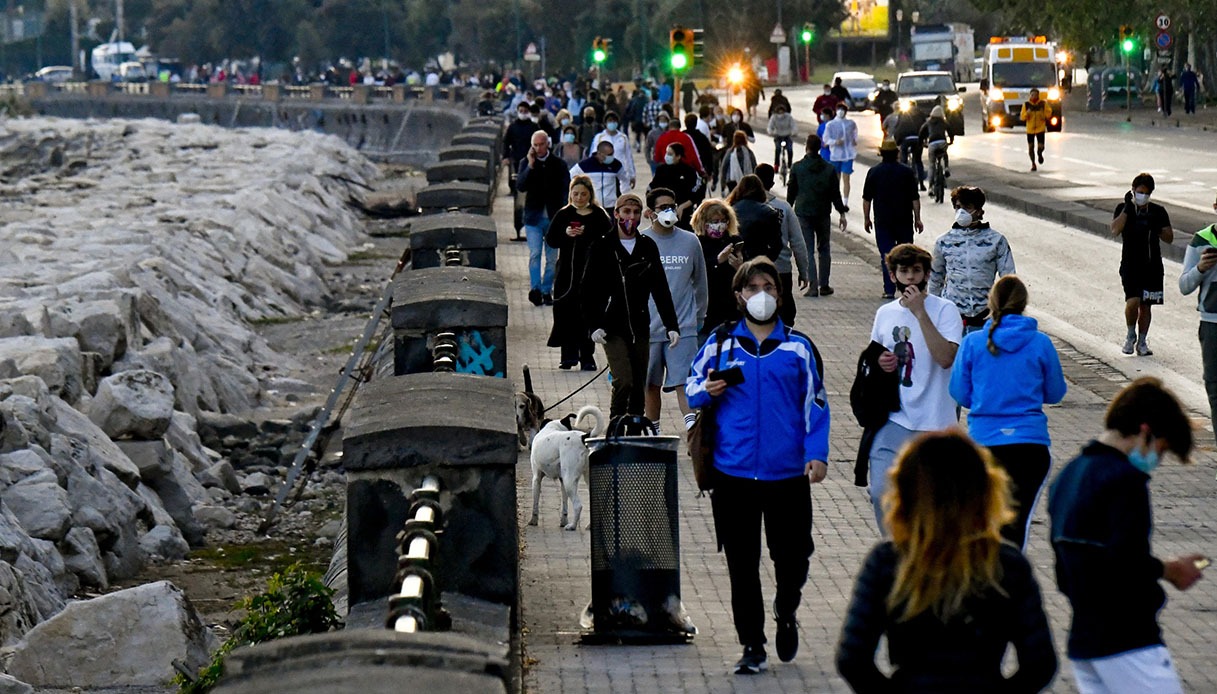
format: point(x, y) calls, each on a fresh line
point(693, 294)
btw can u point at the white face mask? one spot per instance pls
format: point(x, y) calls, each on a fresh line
point(963, 218)
point(761, 307)
point(565, 121)
point(523, 115)
point(669, 159)
point(1142, 199)
point(667, 218)
point(840, 113)
point(608, 159)
point(611, 126)
point(737, 118)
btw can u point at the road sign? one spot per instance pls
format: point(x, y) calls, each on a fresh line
point(1163, 22)
point(778, 35)
point(530, 53)
point(1164, 40)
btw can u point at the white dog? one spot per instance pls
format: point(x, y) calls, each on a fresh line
point(559, 452)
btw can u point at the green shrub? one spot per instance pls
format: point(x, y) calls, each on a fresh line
point(295, 603)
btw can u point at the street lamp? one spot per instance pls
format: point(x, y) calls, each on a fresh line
point(899, 34)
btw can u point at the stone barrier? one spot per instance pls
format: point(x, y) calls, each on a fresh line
point(459, 170)
point(467, 303)
point(466, 196)
point(473, 238)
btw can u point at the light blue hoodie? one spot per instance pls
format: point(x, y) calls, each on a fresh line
point(1006, 393)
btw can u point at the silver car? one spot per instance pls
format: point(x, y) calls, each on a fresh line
point(860, 85)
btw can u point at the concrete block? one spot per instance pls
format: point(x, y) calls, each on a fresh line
point(468, 301)
point(475, 137)
point(459, 170)
point(217, 90)
point(466, 196)
point(475, 235)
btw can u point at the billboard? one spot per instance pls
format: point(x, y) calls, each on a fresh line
point(864, 19)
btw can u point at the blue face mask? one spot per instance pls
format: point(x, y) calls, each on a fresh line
point(1145, 462)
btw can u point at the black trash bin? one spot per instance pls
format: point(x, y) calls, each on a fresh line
point(635, 541)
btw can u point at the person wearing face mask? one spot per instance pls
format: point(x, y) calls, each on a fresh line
point(685, 269)
point(841, 136)
point(885, 101)
point(813, 191)
point(736, 123)
point(794, 248)
point(717, 229)
point(1201, 257)
point(544, 179)
point(701, 142)
point(825, 101)
point(920, 334)
point(517, 141)
point(624, 272)
point(681, 178)
point(573, 231)
point(674, 135)
point(1141, 226)
point(621, 147)
point(607, 173)
point(968, 258)
point(1101, 528)
point(770, 445)
point(569, 149)
point(635, 116)
point(737, 162)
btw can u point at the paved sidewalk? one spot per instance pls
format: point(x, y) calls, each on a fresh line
point(556, 577)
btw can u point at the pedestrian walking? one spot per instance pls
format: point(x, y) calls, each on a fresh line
point(1189, 82)
point(517, 141)
point(825, 101)
point(570, 151)
point(947, 593)
point(1035, 114)
point(760, 225)
point(684, 266)
point(737, 162)
point(681, 178)
point(771, 431)
point(544, 180)
point(623, 274)
point(701, 142)
point(813, 191)
point(841, 136)
point(737, 123)
point(1102, 524)
point(573, 231)
point(890, 191)
point(1006, 414)
point(674, 135)
point(885, 103)
point(717, 229)
point(1166, 89)
point(1142, 225)
point(621, 147)
point(607, 173)
point(920, 334)
point(1201, 257)
point(968, 258)
point(794, 248)
point(778, 100)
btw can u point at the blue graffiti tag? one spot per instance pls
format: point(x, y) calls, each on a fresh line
point(475, 356)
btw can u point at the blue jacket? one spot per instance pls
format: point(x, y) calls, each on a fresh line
point(1005, 394)
point(772, 424)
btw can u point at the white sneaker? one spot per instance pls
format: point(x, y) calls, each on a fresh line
point(1143, 349)
point(1129, 342)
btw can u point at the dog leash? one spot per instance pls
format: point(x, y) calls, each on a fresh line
point(576, 391)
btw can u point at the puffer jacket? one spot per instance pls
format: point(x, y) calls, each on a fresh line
point(967, 260)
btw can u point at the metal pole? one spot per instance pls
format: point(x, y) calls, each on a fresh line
point(519, 46)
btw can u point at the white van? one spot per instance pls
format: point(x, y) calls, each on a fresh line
point(1012, 67)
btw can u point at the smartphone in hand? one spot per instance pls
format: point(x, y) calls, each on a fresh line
point(732, 376)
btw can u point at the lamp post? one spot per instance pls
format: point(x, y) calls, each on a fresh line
point(899, 34)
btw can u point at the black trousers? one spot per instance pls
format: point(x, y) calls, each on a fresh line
point(739, 505)
point(787, 311)
point(627, 362)
point(1027, 464)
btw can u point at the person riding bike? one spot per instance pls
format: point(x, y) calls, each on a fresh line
point(937, 136)
point(783, 129)
point(907, 134)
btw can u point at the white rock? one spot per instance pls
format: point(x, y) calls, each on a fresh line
point(129, 638)
point(216, 517)
point(12, 685)
point(164, 541)
point(41, 508)
point(104, 326)
point(258, 484)
point(219, 475)
point(82, 557)
point(89, 445)
point(153, 458)
point(18, 613)
point(55, 361)
point(184, 437)
point(19, 465)
point(136, 404)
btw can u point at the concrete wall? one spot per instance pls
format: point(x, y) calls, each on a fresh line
point(406, 133)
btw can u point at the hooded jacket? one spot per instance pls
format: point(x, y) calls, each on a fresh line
point(1192, 279)
point(777, 420)
point(1006, 393)
point(966, 262)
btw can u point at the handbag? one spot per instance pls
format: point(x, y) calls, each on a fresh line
point(701, 434)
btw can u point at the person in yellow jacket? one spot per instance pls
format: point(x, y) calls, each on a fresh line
point(1035, 115)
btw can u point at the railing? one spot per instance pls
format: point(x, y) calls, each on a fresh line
point(271, 91)
point(417, 606)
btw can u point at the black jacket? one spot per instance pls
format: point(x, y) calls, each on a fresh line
point(961, 655)
point(545, 185)
point(518, 139)
point(1101, 524)
point(761, 228)
point(617, 285)
point(873, 397)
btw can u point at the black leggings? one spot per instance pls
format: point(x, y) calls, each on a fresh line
point(1027, 464)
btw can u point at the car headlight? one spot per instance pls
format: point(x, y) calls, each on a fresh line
point(954, 103)
point(1054, 94)
point(872, 95)
point(906, 105)
point(996, 94)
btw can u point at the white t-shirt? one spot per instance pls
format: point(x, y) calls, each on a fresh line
point(925, 398)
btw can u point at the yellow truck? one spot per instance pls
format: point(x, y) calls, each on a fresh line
point(1011, 68)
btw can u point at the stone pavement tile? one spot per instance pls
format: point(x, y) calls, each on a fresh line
point(555, 571)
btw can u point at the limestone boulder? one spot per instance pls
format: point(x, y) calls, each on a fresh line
point(153, 458)
point(258, 484)
point(40, 584)
point(220, 475)
point(179, 493)
point(192, 387)
point(12, 685)
point(28, 414)
point(89, 446)
point(216, 517)
point(104, 326)
point(103, 504)
point(19, 465)
point(164, 541)
point(130, 638)
point(82, 557)
point(133, 404)
point(41, 507)
point(55, 360)
point(183, 436)
point(18, 613)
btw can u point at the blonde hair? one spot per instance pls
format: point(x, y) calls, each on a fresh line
point(1008, 296)
point(585, 181)
point(946, 504)
point(706, 209)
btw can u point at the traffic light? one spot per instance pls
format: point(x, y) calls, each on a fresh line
point(600, 49)
point(1128, 38)
point(809, 32)
point(699, 44)
point(681, 42)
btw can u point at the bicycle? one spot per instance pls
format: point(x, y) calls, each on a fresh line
point(938, 172)
point(784, 156)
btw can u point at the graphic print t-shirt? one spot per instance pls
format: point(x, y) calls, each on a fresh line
point(925, 398)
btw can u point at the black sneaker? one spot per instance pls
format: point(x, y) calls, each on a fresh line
point(827, 291)
point(588, 366)
point(567, 365)
point(787, 639)
point(547, 299)
point(753, 662)
point(1040, 156)
point(534, 296)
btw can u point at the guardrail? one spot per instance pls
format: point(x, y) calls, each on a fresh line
point(271, 91)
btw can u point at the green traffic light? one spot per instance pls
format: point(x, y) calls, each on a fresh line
point(679, 61)
point(1128, 45)
point(599, 56)
point(806, 36)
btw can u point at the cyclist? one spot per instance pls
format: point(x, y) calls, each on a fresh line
point(906, 133)
point(783, 129)
point(937, 137)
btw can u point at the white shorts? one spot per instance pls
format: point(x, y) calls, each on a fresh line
point(670, 366)
point(1132, 672)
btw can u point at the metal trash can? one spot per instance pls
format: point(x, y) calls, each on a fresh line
point(635, 540)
